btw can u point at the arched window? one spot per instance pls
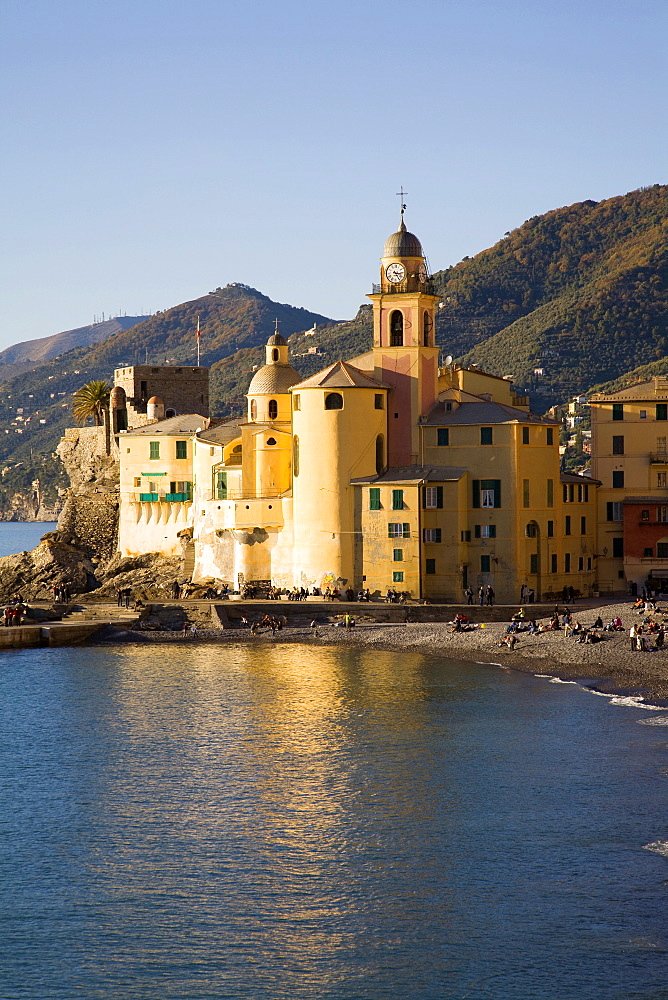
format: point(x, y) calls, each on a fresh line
point(271, 441)
point(170, 413)
point(397, 329)
point(275, 354)
point(253, 410)
point(426, 329)
point(334, 401)
point(273, 409)
point(295, 455)
point(380, 454)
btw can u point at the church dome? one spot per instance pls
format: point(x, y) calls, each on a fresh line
point(273, 379)
point(276, 340)
point(402, 244)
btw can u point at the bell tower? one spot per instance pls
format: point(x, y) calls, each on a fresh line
point(404, 348)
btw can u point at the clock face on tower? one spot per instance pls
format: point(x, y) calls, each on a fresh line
point(422, 272)
point(395, 272)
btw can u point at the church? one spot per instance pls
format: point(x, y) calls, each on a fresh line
point(382, 471)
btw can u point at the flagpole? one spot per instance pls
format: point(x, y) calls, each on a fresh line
point(198, 342)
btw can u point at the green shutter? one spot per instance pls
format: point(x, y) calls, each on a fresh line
point(443, 436)
point(492, 531)
point(439, 496)
point(154, 449)
point(397, 499)
point(476, 531)
point(407, 530)
point(374, 498)
point(476, 493)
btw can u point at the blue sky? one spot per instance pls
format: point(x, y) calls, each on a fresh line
point(156, 149)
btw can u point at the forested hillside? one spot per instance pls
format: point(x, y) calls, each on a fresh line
point(580, 292)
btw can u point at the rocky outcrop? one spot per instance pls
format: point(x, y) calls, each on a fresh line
point(149, 577)
point(56, 560)
point(26, 507)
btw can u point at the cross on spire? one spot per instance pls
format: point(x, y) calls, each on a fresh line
point(276, 322)
point(402, 194)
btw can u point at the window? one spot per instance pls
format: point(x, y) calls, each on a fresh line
point(662, 411)
point(274, 354)
point(295, 456)
point(485, 564)
point(374, 498)
point(618, 479)
point(615, 511)
point(644, 515)
point(533, 563)
point(617, 548)
point(531, 530)
point(617, 411)
point(647, 553)
point(154, 449)
point(253, 410)
point(553, 561)
point(588, 562)
point(378, 401)
point(397, 530)
point(618, 444)
point(525, 435)
point(443, 436)
point(296, 401)
point(485, 435)
point(571, 492)
point(586, 493)
point(550, 493)
point(333, 401)
point(567, 528)
point(550, 435)
point(397, 499)
point(583, 525)
point(567, 562)
point(380, 454)
point(396, 329)
point(448, 407)
point(432, 497)
point(397, 555)
point(661, 478)
point(397, 577)
point(220, 486)
point(137, 480)
point(662, 514)
point(426, 329)
point(486, 493)
point(661, 445)
point(581, 563)
point(579, 493)
point(484, 530)
point(662, 550)
point(181, 449)
point(466, 536)
point(430, 566)
point(271, 441)
point(550, 529)
point(525, 492)
point(432, 535)
point(643, 414)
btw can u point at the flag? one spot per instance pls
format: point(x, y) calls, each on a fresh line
point(198, 330)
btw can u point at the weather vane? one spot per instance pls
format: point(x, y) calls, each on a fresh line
point(402, 194)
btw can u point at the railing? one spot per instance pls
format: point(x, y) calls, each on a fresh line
point(412, 283)
point(159, 497)
point(658, 457)
point(269, 494)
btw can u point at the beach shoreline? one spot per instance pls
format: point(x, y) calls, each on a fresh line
point(608, 666)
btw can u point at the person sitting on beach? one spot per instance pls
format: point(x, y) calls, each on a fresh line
point(533, 627)
point(592, 636)
point(659, 639)
point(554, 623)
point(568, 628)
point(638, 604)
point(520, 616)
point(617, 622)
point(598, 623)
point(512, 627)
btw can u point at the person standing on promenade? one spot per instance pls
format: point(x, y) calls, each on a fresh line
point(490, 595)
point(481, 596)
point(469, 594)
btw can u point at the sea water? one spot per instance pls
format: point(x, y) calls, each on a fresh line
point(205, 821)
point(20, 536)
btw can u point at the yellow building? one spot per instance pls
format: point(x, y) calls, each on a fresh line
point(381, 472)
point(630, 458)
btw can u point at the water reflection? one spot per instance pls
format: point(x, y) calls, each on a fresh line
point(279, 821)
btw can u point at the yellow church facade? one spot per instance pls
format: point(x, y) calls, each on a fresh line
point(383, 471)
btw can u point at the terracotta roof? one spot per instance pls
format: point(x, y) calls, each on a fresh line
point(341, 375)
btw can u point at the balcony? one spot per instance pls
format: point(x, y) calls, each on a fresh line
point(159, 497)
point(268, 494)
point(658, 457)
point(411, 283)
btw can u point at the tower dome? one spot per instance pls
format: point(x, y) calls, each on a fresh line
point(402, 244)
point(276, 340)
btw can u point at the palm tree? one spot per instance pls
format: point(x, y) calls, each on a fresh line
point(91, 400)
